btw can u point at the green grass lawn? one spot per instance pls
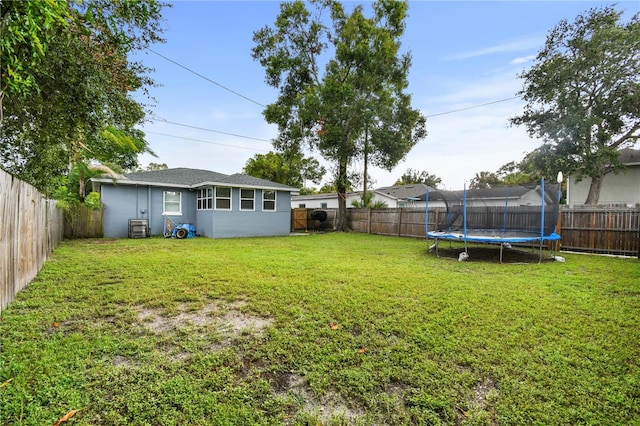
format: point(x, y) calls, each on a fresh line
point(327, 329)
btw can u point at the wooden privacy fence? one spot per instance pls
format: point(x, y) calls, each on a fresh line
point(594, 230)
point(601, 230)
point(30, 228)
point(83, 222)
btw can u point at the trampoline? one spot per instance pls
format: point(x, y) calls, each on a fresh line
point(515, 214)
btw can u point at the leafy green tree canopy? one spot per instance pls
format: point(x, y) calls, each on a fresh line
point(342, 82)
point(415, 176)
point(66, 86)
point(288, 168)
point(583, 95)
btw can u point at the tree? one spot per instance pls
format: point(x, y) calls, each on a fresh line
point(288, 168)
point(354, 106)
point(76, 111)
point(414, 176)
point(484, 180)
point(153, 166)
point(583, 95)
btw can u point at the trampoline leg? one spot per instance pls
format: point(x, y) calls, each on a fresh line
point(501, 248)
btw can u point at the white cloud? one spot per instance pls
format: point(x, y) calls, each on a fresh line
point(522, 60)
point(527, 43)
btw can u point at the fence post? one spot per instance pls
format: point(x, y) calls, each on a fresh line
point(399, 211)
point(369, 220)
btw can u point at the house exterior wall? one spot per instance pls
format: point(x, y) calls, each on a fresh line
point(258, 223)
point(124, 202)
point(623, 188)
point(316, 201)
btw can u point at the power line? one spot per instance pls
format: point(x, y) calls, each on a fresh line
point(471, 107)
point(208, 142)
point(204, 77)
point(264, 106)
point(162, 120)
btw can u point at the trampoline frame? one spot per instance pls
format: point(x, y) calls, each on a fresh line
point(493, 236)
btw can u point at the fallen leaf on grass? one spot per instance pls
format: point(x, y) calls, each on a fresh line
point(333, 325)
point(363, 350)
point(5, 383)
point(464, 413)
point(65, 417)
point(55, 324)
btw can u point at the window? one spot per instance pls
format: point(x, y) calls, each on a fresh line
point(223, 198)
point(171, 201)
point(247, 197)
point(323, 205)
point(205, 199)
point(269, 200)
point(302, 205)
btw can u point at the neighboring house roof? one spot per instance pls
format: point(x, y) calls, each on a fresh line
point(193, 178)
point(405, 192)
point(499, 193)
point(630, 157)
point(326, 195)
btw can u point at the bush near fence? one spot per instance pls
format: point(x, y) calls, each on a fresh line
point(604, 230)
point(31, 226)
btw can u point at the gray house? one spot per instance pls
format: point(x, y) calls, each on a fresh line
point(217, 205)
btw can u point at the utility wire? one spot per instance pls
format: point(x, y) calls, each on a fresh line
point(209, 142)
point(204, 77)
point(162, 120)
point(471, 107)
point(158, 119)
point(264, 106)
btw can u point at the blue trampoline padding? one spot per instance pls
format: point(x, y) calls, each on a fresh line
point(493, 237)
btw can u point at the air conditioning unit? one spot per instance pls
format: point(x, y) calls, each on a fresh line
point(138, 228)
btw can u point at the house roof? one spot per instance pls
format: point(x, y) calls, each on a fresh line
point(193, 178)
point(405, 192)
point(630, 156)
point(515, 192)
point(326, 195)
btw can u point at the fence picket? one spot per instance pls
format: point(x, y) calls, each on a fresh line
point(30, 228)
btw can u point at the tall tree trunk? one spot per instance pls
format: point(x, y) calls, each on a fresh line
point(81, 185)
point(341, 186)
point(366, 154)
point(594, 191)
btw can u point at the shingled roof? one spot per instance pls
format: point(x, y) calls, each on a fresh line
point(405, 192)
point(194, 178)
point(630, 156)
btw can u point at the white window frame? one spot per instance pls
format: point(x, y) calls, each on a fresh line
point(216, 198)
point(205, 199)
point(166, 212)
point(252, 199)
point(265, 200)
point(323, 205)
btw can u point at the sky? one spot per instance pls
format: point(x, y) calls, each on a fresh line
point(466, 60)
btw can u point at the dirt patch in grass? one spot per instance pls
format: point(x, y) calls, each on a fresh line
point(220, 322)
point(326, 408)
point(478, 402)
point(227, 319)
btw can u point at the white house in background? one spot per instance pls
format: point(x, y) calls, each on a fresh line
point(397, 196)
point(402, 196)
point(321, 201)
point(621, 189)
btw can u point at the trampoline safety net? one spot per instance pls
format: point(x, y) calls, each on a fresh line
point(506, 213)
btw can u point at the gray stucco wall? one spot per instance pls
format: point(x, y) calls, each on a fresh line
point(124, 202)
point(258, 223)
